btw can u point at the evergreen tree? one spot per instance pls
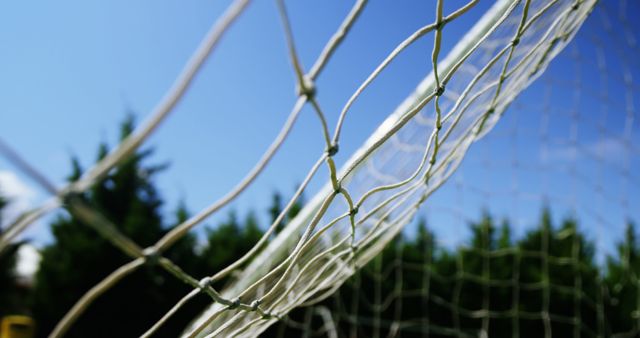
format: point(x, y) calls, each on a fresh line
point(227, 242)
point(276, 208)
point(415, 282)
point(79, 258)
point(622, 282)
point(558, 263)
point(274, 211)
point(9, 300)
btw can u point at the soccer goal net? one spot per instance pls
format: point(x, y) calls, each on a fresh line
point(498, 122)
point(552, 249)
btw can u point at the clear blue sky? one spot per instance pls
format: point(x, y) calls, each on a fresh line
point(71, 70)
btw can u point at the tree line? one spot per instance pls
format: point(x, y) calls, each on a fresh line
point(546, 281)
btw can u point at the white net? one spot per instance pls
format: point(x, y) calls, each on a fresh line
point(568, 146)
point(380, 188)
point(410, 155)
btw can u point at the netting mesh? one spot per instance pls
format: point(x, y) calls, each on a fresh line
point(568, 143)
point(381, 187)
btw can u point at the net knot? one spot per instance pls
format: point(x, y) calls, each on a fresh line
point(234, 304)
point(440, 90)
point(204, 282)
point(333, 149)
point(575, 5)
point(307, 88)
point(337, 190)
point(353, 211)
point(255, 304)
point(440, 24)
point(151, 255)
point(515, 42)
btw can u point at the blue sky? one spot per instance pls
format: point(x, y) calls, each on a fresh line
point(72, 69)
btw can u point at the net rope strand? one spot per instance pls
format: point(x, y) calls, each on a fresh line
point(327, 244)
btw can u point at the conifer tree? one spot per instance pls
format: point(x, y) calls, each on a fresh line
point(78, 257)
point(9, 301)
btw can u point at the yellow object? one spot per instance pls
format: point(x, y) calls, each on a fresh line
point(17, 327)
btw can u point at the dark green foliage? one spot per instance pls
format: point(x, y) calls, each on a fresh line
point(276, 208)
point(441, 292)
point(227, 242)
point(79, 257)
point(431, 289)
point(622, 281)
point(9, 288)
